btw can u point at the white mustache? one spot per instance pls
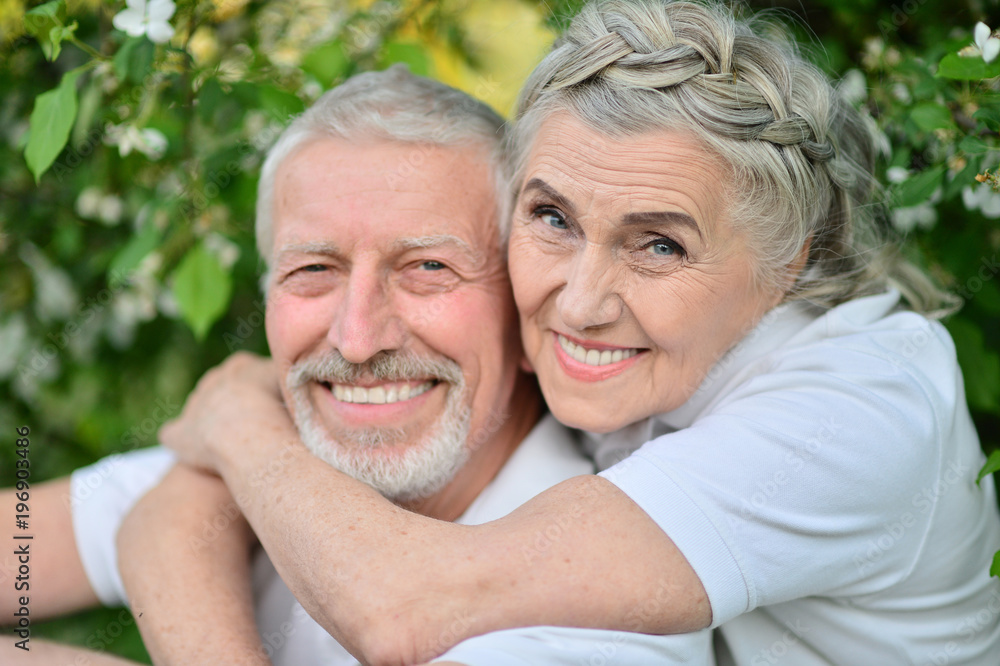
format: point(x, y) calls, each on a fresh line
point(330, 366)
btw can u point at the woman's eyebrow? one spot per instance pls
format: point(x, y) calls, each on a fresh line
point(664, 217)
point(539, 185)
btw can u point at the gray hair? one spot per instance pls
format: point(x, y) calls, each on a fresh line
point(800, 158)
point(394, 105)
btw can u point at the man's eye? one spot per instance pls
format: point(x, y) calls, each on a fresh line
point(552, 217)
point(432, 266)
point(313, 268)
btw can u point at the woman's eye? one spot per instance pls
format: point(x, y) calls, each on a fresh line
point(551, 217)
point(663, 247)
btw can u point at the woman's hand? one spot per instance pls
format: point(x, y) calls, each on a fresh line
point(233, 404)
point(176, 576)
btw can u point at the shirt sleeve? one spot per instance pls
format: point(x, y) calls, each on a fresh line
point(567, 646)
point(803, 480)
point(101, 495)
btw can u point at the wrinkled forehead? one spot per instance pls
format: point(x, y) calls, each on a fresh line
point(339, 187)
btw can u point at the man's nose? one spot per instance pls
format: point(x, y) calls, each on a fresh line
point(366, 321)
point(591, 296)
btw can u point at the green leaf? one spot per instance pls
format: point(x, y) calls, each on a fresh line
point(328, 63)
point(134, 59)
point(917, 189)
point(995, 567)
point(990, 117)
point(202, 288)
point(51, 120)
point(954, 66)
point(980, 365)
point(209, 97)
point(967, 176)
point(278, 103)
point(128, 258)
point(973, 145)
point(42, 23)
point(992, 465)
point(930, 116)
point(411, 54)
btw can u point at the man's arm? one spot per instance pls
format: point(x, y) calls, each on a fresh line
point(55, 583)
point(396, 587)
point(184, 555)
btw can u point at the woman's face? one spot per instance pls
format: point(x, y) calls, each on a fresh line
point(629, 276)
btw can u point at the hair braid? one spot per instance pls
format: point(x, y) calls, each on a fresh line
point(800, 158)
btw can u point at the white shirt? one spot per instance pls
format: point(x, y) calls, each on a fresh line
point(821, 483)
point(103, 493)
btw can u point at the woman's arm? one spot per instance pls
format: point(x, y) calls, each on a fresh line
point(184, 556)
point(397, 587)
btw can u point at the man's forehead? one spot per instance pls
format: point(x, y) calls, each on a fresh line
point(331, 191)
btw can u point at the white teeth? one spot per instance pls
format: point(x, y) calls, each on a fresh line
point(379, 395)
point(594, 356)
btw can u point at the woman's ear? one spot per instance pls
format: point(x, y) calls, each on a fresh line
point(795, 268)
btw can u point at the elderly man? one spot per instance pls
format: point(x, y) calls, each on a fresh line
point(392, 327)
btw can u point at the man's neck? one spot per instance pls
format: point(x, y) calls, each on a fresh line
point(508, 428)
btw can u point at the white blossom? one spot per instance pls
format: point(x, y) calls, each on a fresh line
point(110, 210)
point(88, 204)
point(147, 17)
point(989, 46)
point(148, 141)
point(983, 199)
point(853, 87)
point(225, 250)
point(897, 174)
point(922, 215)
point(55, 296)
point(13, 341)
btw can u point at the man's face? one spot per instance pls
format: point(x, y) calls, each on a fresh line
point(390, 313)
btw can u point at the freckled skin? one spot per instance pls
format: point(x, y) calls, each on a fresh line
point(683, 296)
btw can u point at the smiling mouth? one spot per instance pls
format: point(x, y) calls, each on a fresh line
point(594, 357)
point(383, 394)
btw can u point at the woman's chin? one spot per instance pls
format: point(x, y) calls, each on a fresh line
point(590, 417)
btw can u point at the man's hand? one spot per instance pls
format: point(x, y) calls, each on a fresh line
point(239, 397)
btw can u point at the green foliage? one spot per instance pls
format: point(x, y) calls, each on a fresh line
point(202, 288)
point(128, 176)
point(51, 122)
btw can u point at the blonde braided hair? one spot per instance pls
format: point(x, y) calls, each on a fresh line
point(800, 158)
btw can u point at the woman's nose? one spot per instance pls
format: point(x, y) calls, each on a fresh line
point(590, 298)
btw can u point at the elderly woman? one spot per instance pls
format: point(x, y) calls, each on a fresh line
point(787, 453)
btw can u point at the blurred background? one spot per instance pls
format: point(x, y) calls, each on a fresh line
point(131, 137)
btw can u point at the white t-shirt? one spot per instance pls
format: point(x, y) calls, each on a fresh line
point(821, 482)
point(103, 493)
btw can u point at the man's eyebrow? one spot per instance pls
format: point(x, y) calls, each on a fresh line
point(435, 240)
point(664, 217)
point(326, 248)
point(539, 185)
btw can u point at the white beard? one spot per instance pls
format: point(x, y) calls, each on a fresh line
point(382, 458)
